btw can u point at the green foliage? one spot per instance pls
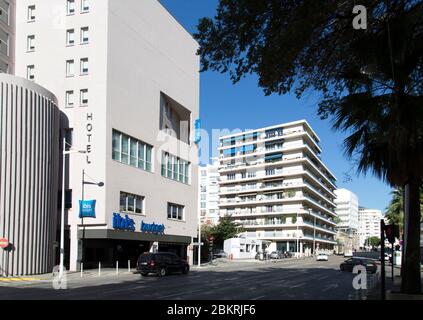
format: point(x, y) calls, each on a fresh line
point(226, 229)
point(373, 241)
point(395, 211)
point(370, 87)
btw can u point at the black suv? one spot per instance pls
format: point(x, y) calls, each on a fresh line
point(161, 263)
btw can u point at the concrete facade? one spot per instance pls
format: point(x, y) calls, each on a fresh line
point(122, 67)
point(369, 224)
point(209, 194)
point(29, 163)
point(7, 36)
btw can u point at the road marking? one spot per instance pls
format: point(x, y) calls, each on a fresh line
point(258, 298)
point(298, 285)
point(179, 294)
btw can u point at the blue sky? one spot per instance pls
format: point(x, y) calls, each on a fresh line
point(244, 106)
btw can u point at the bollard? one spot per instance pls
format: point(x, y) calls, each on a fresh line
point(117, 267)
point(129, 266)
point(82, 268)
point(99, 269)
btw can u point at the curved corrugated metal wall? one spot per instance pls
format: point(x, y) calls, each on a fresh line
point(29, 160)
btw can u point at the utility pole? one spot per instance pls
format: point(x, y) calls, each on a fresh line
point(382, 258)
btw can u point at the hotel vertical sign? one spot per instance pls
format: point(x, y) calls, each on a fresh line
point(89, 129)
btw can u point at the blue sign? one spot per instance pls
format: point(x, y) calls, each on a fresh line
point(152, 228)
point(197, 131)
point(120, 223)
point(87, 208)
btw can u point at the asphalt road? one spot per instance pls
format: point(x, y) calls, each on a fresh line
point(290, 279)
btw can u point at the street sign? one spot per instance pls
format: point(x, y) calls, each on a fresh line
point(196, 244)
point(4, 243)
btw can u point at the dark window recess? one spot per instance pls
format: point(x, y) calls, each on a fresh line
point(68, 200)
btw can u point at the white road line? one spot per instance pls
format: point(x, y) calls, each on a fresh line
point(179, 294)
point(257, 298)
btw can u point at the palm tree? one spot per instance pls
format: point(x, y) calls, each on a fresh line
point(395, 211)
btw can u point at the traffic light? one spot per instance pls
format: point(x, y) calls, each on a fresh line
point(391, 232)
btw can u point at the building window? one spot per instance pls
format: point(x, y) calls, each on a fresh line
point(175, 168)
point(131, 203)
point(70, 68)
point(70, 37)
point(4, 42)
point(30, 43)
point(71, 7)
point(84, 97)
point(84, 66)
point(175, 212)
point(31, 13)
point(84, 35)
point(4, 11)
point(85, 6)
point(69, 98)
point(31, 73)
point(131, 151)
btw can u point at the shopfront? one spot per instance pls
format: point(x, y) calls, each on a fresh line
point(111, 246)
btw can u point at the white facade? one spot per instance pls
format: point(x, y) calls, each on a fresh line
point(273, 182)
point(209, 194)
point(243, 248)
point(7, 36)
point(29, 163)
point(369, 224)
point(347, 209)
point(126, 75)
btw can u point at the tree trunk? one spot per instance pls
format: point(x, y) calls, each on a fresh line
point(410, 271)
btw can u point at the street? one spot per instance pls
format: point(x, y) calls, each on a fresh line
point(252, 280)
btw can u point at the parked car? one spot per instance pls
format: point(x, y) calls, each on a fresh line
point(349, 264)
point(287, 254)
point(219, 254)
point(322, 257)
point(161, 264)
point(276, 255)
point(388, 257)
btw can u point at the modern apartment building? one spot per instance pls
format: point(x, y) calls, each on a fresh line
point(346, 209)
point(126, 76)
point(274, 183)
point(209, 194)
point(7, 36)
point(369, 224)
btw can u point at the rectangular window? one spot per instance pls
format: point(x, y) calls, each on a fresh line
point(71, 7)
point(84, 97)
point(175, 168)
point(84, 35)
point(70, 37)
point(70, 68)
point(85, 6)
point(30, 43)
point(31, 13)
point(84, 66)
point(31, 73)
point(5, 11)
point(4, 67)
point(131, 203)
point(70, 98)
point(175, 212)
point(128, 150)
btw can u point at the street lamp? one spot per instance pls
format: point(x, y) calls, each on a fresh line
point(92, 182)
point(62, 216)
point(314, 231)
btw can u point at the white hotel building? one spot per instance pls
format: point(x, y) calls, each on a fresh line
point(273, 182)
point(126, 77)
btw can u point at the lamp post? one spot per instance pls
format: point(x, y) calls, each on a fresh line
point(62, 215)
point(298, 237)
point(92, 182)
point(314, 231)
